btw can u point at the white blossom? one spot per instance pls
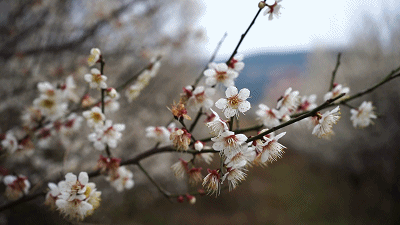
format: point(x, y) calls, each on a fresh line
point(180, 169)
point(236, 63)
point(10, 142)
point(336, 91)
point(109, 135)
point(289, 101)
point(78, 197)
point(273, 10)
point(228, 143)
point(159, 134)
point(71, 124)
point(96, 79)
point(95, 118)
point(94, 57)
point(217, 125)
point(362, 117)
point(307, 103)
point(16, 186)
point(234, 177)
point(212, 183)
point(123, 181)
point(68, 89)
point(269, 117)
point(325, 122)
point(234, 102)
point(244, 156)
point(220, 73)
point(201, 97)
point(271, 150)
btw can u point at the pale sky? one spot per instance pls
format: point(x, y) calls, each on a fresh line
point(302, 25)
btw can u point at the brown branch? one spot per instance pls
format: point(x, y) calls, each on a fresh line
point(243, 36)
point(335, 71)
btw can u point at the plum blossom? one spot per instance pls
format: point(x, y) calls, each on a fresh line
point(78, 197)
point(212, 182)
point(234, 177)
point(16, 186)
point(123, 180)
point(273, 10)
point(180, 139)
point(269, 117)
point(159, 134)
point(362, 117)
point(336, 91)
point(242, 158)
point(94, 56)
point(228, 143)
point(271, 150)
point(325, 122)
point(216, 125)
point(95, 118)
point(10, 142)
point(71, 124)
point(289, 101)
point(234, 102)
point(96, 79)
point(109, 135)
point(52, 195)
point(201, 98)
point(180, 169)
point(220, 73)
point(236, 63)
point(307, 103)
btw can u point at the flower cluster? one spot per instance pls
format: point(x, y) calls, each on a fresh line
point(75, 197)
point(143, 79)
point(16, 186)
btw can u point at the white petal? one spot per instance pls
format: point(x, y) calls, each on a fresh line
point(221, 103)
point(70, 177)
point(95, 71)
point(230, 112)
point(231, 91)
point(88, 77)
point(241, 137)
point(218, 146)
point(222, 67)
point(244, 94)
point(210, 73)
point(244, 106)
point(264, 156)
point(83, 178)
point(211, 81)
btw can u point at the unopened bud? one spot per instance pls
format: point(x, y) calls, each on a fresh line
point(191, 199)
point(180, 199)
point(285, 118)
point(261, 4)
point(198, 145)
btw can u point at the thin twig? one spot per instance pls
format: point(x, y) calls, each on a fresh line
point(160, 189)
point(335, 71)
point(242, 37)
point(210, 61)
point(310, 113)
point(199, 113)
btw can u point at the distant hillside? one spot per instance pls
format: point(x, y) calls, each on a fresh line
point(260, 69)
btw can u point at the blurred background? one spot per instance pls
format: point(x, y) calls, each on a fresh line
point(352, 179)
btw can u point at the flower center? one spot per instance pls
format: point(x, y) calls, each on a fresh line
point(97, 78)
point(231, 140)
point(234, 101)
point(221, 76)
point(48, 103)
point(200, 97)
point(96, 116)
